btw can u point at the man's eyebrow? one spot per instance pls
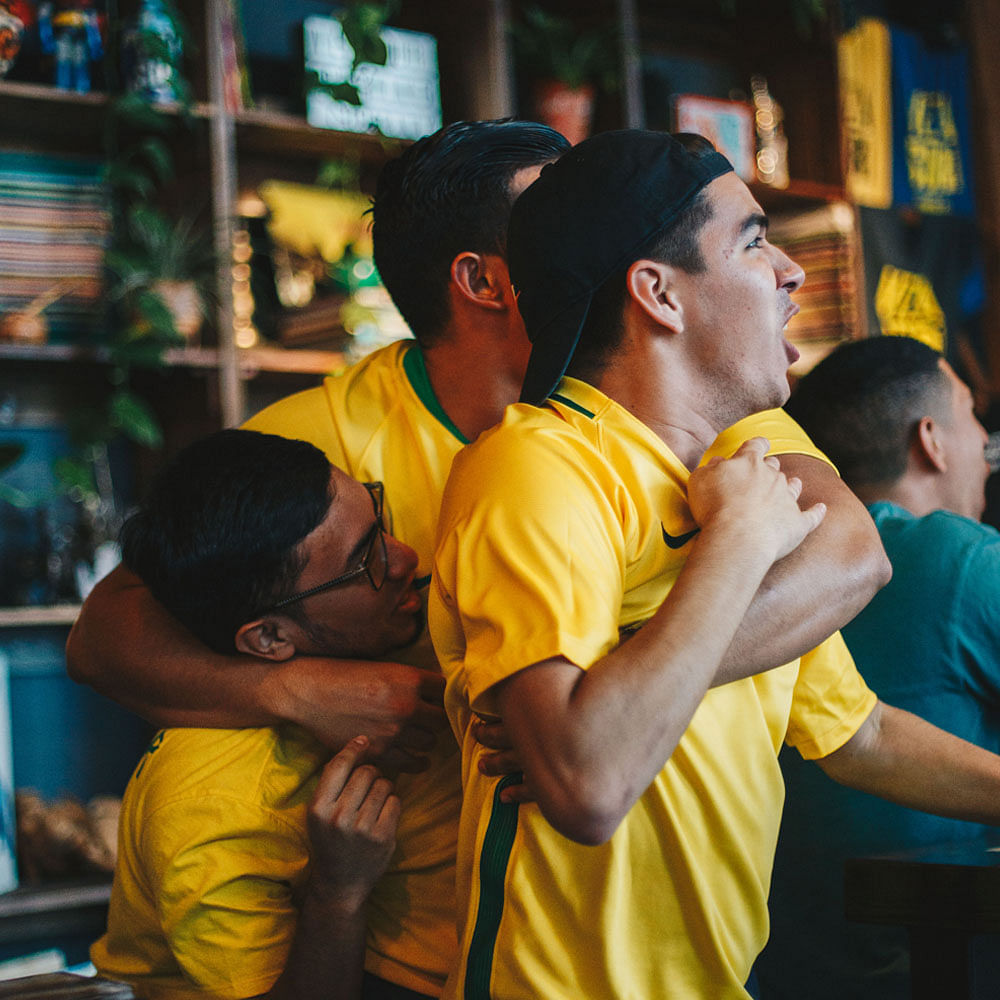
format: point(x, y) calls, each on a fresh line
point(361, 546)
point(758, 220)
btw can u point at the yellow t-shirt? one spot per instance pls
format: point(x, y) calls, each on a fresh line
point(560, 529)
point(212, 849)
point(379, 420)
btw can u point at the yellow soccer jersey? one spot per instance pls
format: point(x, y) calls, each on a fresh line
point(212, 848)
point(560, 529)
point(379, 420)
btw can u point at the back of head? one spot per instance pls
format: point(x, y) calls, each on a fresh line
point(863, 401)
point(447, 193)
point(588, 217)
point(217, 539)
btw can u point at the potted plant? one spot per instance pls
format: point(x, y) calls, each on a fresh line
point(567, 64)
point(163, 275)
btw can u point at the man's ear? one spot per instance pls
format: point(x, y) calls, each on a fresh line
point(482, 279)
point(266, 638)
point(929, 444)
point(651, 286)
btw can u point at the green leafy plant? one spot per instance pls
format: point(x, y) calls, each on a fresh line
point(147, 247)
point(553, 47)
point(10, 454)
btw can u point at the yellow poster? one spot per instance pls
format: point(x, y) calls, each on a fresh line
point(863, 60)
point(906, 306)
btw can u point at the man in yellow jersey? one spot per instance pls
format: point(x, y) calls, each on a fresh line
point(246, 856)
point(643, 272)
point(401, 416)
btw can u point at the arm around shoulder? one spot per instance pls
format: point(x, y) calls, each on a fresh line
point(128, 647)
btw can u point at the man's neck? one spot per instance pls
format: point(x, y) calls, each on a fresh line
point(472, 388)
point(667, 405)
point(911, 496)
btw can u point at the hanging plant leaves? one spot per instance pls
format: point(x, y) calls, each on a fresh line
point(133, 417)
point(75, 477)
point(10, 452)
point(346, 92)
point(362, 24)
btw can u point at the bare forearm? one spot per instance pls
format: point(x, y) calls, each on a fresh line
point(901, 757)
point(326, 960)
point(569, 724)
point(819, 587)
point(130, 649)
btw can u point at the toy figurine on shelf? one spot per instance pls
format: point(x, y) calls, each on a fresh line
point(15, 16)
point(70, 30)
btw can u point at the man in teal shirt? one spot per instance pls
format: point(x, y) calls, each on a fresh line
point(899, 425)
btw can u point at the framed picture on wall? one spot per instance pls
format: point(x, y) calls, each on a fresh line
point(728, 125)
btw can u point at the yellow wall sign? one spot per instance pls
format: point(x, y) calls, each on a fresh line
point(906, 306)
point(863, 60)
point(933, 156)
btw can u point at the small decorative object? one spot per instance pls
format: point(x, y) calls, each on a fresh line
point(15, 16)
point(152, 54)
point(70, 31)
point(28, 325)
point(772, 146)
point(65, 839)
point(728, 125)
point(567, 64)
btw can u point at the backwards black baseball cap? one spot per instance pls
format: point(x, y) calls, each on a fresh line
point(586, 217)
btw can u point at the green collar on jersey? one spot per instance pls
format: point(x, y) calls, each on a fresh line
point(566, 401)
point(416, 372)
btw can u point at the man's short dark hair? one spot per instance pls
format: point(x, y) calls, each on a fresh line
point(218, 539)
point(449, 192)
point(862, 403)
point(678, 245)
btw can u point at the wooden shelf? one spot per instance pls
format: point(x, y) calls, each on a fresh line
point(797, 194)
point(277, 132)
point(251, 360)
point(36, 110)
point(41, 615)
point(174, 357)
point(32, 913)
point(278, 359)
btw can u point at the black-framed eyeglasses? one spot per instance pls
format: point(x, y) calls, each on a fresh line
point(373, 563)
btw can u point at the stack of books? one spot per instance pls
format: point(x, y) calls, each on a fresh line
point(55, 223)
point(823, 242)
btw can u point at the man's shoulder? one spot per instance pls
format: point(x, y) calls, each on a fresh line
point(939, 525)
point(260, 767)
point(527, 436)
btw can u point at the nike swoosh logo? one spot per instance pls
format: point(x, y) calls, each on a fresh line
point(678, 541)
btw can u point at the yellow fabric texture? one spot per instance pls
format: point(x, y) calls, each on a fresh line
point(372, 423)
point(551, 542)
point(212, 849)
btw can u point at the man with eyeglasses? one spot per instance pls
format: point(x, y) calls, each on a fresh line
point(246, 856)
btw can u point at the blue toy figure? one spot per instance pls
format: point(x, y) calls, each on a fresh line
point(70, 30)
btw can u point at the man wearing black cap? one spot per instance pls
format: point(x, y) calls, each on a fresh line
point(656, 309)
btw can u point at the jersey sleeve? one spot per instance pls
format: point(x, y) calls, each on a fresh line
point(785, 435)
point(529, 562)
point(830, 700)
point(224, 872)
point(304, 416)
